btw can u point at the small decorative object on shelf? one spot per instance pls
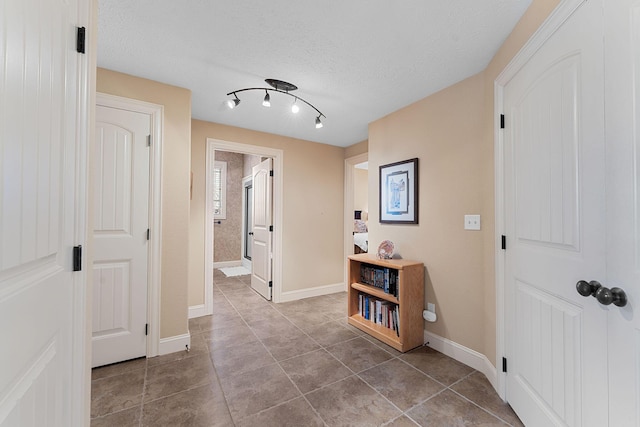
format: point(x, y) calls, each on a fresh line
point(385, 250)
point(386, 299)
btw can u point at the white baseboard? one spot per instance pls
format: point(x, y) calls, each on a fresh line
point(174, 343)
point(312, 292)
point(221, 264)
point(198, 311)
point(462, 354)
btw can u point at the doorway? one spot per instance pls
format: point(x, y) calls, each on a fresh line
point(276, 155)
point(355, 198)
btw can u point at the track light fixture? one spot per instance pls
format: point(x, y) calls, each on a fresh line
point(233, 103)
point(276, 86)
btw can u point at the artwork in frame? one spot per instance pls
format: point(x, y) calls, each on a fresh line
point(399, 192)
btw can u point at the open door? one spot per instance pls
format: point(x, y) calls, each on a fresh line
point(261, 248)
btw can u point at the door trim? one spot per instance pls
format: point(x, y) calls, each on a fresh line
point(278, 167)
point(155, 208)
point(554, 21)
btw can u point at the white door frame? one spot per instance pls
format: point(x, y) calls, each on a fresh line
point(243, 247)
point(349, 182)
point(278, 166)
point(554, 21)
point(155, 208)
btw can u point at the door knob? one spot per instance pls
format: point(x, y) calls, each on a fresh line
point(587, 289)
point(605, 296)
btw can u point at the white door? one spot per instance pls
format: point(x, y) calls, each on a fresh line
point(622, 116)
point(121, 220)
point(42, 213)
point(261, 249)
point(556, 340)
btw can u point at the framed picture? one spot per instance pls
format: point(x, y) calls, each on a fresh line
point(399, 192)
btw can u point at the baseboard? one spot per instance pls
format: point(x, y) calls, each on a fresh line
point(221, 264)
point(198, 311)
point(462, 354)
point(174, 343)
point(312, 292)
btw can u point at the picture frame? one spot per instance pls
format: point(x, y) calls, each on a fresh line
point(398, 192)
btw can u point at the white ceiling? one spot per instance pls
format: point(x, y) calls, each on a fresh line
point(355, 60)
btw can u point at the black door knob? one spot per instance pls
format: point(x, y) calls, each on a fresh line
point(587, 289)
point(605, 296)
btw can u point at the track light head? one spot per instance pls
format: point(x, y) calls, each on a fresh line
point(295, 107)
point(267, 100)
point(233, 103)
point(318, 123)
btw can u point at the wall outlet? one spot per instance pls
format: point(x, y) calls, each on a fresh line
point(472, 222)
point(431, 307)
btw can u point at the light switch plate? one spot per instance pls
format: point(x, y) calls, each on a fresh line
point(472, 222)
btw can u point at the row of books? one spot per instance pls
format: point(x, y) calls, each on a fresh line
point(380, 277)
point(381, 312)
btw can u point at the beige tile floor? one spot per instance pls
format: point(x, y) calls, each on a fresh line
point(254, 363)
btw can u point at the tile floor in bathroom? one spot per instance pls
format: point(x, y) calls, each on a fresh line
point(255, 363)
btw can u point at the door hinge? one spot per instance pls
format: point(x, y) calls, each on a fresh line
point(501, 121)
point(146, 329)
point(77, 258)
point(271, 173)
point(504, 242)
point(271, 228)
point(504, 364)
point(148, 234)
point(270, 283)
point(148, 140)
point(81, 36)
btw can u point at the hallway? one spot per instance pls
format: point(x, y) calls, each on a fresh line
point(291, 364)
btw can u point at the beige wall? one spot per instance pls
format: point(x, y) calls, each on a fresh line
point(450, 178)
point(361, 191)
point(176, 152)
point(312, 205)
point(227, 240)
point(451, 132)
point(356, 149)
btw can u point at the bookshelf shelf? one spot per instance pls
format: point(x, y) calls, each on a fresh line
point(408, 304)
point(372, 290)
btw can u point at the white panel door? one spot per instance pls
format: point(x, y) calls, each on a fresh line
point(556, 340)
point(42, 213)
point(622, 115)
point(261, 249)
point(121, 219)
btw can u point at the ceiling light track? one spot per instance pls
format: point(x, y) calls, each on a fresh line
point(280, 87)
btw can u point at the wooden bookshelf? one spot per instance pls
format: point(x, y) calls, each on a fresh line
point(409, 301)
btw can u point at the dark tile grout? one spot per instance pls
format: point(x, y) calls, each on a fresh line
point(338, 299)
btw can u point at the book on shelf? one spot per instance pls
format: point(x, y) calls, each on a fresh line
point(383, 278)
point(379, 312)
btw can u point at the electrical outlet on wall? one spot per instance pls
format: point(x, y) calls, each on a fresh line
point(472, 222)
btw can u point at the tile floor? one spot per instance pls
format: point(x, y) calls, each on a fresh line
point(254, 363)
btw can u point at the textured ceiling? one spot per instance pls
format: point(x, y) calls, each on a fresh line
point(355, 60)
